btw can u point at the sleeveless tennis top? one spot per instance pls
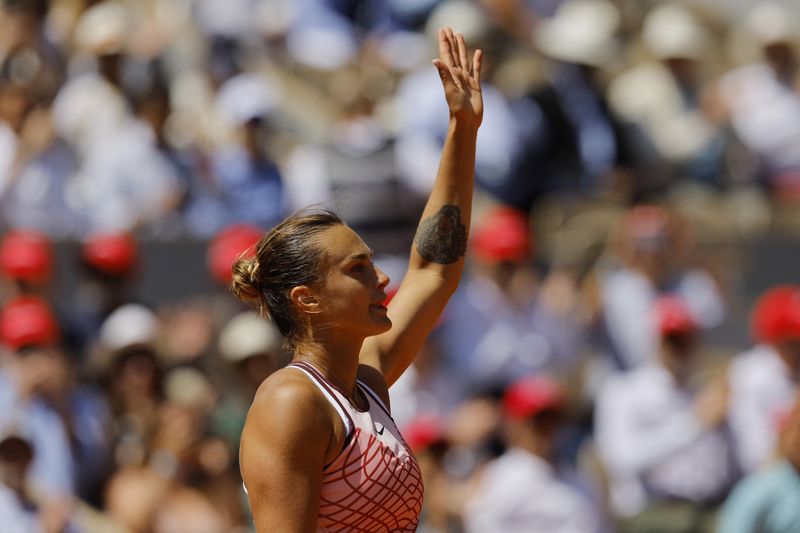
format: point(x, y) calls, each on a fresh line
point(374, 485)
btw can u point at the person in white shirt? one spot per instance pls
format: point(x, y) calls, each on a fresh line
point(662, 440)
point(764, 379)
point(652, 248)
point(523, 490)
point(761, 101)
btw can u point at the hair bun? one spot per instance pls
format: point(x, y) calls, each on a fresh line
point(245, 284)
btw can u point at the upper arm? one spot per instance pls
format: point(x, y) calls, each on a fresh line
point(414, 311)
point(282, 455)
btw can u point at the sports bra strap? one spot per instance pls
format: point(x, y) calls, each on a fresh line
point(329, 394)
point(374, 396)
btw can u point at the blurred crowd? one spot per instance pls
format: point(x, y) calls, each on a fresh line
point(629, 150)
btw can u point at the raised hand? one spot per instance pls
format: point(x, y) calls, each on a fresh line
point(461, 77)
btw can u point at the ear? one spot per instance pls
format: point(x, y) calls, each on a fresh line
point(305, 300)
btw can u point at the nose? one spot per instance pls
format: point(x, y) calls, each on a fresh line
point(383, 279)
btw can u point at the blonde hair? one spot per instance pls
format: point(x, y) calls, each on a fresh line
point(287, 256)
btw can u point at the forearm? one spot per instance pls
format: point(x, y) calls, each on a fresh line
point(440, 242)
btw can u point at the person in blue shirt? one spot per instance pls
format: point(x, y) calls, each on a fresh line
point(769, 501)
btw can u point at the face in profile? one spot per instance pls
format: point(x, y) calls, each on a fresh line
point(352, 292)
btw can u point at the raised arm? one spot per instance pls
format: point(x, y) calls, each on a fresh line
point(437, 257)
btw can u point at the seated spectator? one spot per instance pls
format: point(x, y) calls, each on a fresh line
point(525, 490)
point(663, 96)
point(21, 509)
point(762, 101)
point(84, 414)
point(571, 144)
point(653, 251)
point(665, 443)
point(129, 363)
point(247, 185)
point(252, 346)
point(764, 379)
point(28, 331)
point(769, 501)
point(499, 325)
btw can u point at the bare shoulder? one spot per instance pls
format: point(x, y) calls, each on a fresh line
point(289, 399)
point(288, 436)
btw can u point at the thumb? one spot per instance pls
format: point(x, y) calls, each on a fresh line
point(447, 75)
point(444, 72)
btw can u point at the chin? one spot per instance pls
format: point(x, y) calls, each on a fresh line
point(382, 327)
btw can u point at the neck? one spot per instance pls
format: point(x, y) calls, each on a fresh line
point(539, 446)
point(792, 363)
point(677, 367)
point(335, 358)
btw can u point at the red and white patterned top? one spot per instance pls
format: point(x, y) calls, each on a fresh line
point(375, 484)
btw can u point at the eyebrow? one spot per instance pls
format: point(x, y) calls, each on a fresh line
point(363, 255)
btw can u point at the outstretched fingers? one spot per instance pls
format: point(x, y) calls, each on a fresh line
point(477, 62)
point(454, 64)
point(451, 38)
point(445, 49)
point(462, 51)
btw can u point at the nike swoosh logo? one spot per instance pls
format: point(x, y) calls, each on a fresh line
point(379, 431)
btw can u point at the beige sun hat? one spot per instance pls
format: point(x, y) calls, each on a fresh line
point(246, 96)
point(248, 334)
point(129, 325)
point(670, 31)
point(464, 17)
point(190, 388)
point(581, 31)
point(104, 29)
point(771, 23)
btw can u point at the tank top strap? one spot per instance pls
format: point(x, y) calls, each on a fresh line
point(332, 395)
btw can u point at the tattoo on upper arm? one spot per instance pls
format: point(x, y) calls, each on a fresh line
point(442, 238)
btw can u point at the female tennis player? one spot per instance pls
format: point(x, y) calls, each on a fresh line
point(319, 450)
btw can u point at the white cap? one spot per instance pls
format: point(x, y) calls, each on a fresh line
point(327, 42)
point(247, 96)
point(581, 31)
point(772, 23)
point(188, 387)
point(672, 31)
point(129, 325)
point(464, 17)
point(103, 28)
point(247, 334)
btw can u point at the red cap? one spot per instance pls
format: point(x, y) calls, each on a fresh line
point(227, 246)
point(112, 253)
point(531, 395)
point(26, 255)
point(28, 320)
point(776, 316)
point(502, 235)
point(673, 316)
point(423, 432)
